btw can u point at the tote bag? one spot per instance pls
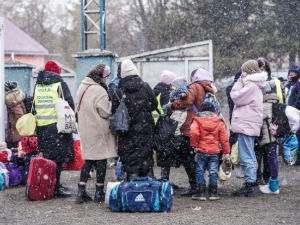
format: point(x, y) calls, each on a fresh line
point(66, 122)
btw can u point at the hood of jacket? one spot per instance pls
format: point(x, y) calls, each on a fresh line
point(45, 77)
point(258, 78)
point(131, 83)
point(207, 86)
point(208, 121)
point(161, 87)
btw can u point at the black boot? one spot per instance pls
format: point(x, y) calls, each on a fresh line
point(246, 191)
point(190, 192)
point(99, 194)
point(165, 173)
point(213, 193)
point(82, 195)
point(201, 193)
point(61, 192)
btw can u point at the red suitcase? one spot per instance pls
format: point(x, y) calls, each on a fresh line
point(41, 179)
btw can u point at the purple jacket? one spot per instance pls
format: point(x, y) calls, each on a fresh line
point(247, 116)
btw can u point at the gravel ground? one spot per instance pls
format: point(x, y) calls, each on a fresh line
point(264, 209)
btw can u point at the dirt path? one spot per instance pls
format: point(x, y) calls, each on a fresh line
point(281, 209)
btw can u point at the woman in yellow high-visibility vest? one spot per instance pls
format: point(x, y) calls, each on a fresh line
point(55, 146)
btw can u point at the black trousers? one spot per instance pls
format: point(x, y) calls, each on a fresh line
point(261, 158)
point(99, 165)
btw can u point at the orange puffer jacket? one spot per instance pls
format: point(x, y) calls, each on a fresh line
point(207, 133)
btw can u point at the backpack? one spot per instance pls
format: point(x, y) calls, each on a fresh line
point(4, 179)
point(209, 97)
point(120, 120)
point(279, 126)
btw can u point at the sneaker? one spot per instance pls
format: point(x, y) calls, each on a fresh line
point(213, 193)
point(199, 196)
point(213, 197)
point(266, 190)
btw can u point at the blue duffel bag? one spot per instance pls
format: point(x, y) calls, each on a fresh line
point(145, 194)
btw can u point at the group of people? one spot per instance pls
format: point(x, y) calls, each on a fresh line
point(200, 133)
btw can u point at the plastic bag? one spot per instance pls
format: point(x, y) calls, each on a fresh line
point(26, 125)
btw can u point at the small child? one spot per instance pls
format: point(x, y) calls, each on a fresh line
point(207, 133)
point(180, 91)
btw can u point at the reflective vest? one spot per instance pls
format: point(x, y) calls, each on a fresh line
point(45, 97)
point(155, 114)
point(278, 89)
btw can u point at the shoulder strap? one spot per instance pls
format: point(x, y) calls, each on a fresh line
point(120, 99)
point(81, 98)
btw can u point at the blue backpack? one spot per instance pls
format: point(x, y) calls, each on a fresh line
point(145, 194)
point(4, 179)
point(209, 97)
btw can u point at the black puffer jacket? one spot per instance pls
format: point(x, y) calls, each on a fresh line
point(164, 90)
point(56, 147)
point(135, 146)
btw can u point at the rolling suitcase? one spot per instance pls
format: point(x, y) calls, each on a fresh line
point(41, 179)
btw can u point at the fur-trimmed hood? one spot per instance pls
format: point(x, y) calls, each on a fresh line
point(258, 78)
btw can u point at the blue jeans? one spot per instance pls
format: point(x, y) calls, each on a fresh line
point(209, 162)
point(247, 157)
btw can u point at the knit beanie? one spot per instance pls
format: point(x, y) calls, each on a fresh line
point(250, 67)
point(128, 68)
point(52, 66)
point(202, 75)
point(207, 106)
point(167, 77)
point(179, 81)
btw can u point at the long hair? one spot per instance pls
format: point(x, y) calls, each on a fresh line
point(96, 74)
point(264, 63)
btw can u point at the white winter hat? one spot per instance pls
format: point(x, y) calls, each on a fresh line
point(128, 68)
point(167, 77)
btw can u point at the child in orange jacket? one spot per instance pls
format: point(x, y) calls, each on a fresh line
point(207, 133)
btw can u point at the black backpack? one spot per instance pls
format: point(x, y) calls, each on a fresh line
point(280, 120)
point(120, 120)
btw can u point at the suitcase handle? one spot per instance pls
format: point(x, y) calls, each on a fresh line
point(143, 179)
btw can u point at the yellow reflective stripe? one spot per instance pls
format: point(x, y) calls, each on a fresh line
point(45, 106)
point(46, 117)
point(278, 89)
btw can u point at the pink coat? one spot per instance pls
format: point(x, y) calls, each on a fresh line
point(247, 116)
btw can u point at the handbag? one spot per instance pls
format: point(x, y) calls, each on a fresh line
point(26, 124)
point(78, 161)
point(65, 115)
point(289, 146)
point(164, 131)
point(120, 120)
point(234, 154)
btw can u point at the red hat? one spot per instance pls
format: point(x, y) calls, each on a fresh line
point(52, 66)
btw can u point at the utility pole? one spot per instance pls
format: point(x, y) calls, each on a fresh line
point(2, 106)
point(92, 22)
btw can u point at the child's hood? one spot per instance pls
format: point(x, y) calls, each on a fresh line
point(208, 123)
